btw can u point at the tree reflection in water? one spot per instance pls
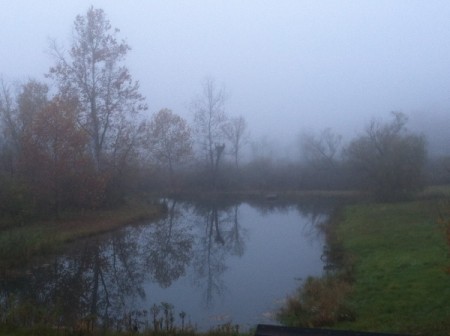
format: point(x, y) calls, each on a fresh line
point(167, 247)
point(95, 279)
point(221, 235)
point(105, 279)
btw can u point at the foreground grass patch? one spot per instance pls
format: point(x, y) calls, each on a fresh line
point(400, 269)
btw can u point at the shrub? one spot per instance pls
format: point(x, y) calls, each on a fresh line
point(319, 302)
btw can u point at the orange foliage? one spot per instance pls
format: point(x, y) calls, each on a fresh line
point(56, 160)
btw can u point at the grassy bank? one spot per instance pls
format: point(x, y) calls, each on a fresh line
point(18, 245)
point(393, 271)
point(401, 267)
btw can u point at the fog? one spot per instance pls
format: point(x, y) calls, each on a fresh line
point(287, 66)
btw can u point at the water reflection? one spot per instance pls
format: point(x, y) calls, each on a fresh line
point(220, 235)
point(96, 278)
point(210, 248)
point(167, 247)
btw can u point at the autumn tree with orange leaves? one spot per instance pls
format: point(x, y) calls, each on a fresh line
point(109, 100)
point(76, 147)
point(169, 141)
point(55, 153)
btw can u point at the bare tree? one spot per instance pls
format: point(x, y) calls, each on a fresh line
point(389, 159)
point(93, 71)
point(323, 149)
point(209, 123)
point(237, 134)
point(321, 166)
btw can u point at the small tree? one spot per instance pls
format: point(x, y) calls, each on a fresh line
point(169, 140)
point(236, 133)
point(389, 159)
point(321, 154)
point(323, 149)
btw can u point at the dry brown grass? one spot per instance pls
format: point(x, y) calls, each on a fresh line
point(319, 302)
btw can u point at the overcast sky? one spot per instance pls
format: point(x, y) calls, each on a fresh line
point(288, 66)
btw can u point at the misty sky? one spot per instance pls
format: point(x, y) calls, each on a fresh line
point(288, 66)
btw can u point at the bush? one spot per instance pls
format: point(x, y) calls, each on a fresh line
point(388, 160)
point(319, 302)
point(16, 203)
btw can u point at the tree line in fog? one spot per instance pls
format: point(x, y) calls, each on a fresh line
point(82, 140)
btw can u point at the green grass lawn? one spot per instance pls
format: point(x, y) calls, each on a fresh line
point(401, 262)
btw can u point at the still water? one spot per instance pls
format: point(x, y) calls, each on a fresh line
point(216, 263)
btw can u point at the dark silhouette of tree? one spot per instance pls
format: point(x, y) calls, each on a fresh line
point(389, 159)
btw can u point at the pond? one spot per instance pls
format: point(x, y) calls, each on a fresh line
point(204, 264)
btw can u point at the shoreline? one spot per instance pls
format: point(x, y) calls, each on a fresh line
point(393, 265)
point(20, 245)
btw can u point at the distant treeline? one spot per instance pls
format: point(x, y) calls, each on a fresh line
point(86, 143)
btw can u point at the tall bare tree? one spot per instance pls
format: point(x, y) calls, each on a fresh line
point(93, 70)
point(210, 120)
point(237, 135)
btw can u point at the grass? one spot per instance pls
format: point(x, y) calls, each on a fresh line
point(45, 331)
point(402, 284)
point(435, 191)
point(18, 245)
point(399, 254)
point(396, 260)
